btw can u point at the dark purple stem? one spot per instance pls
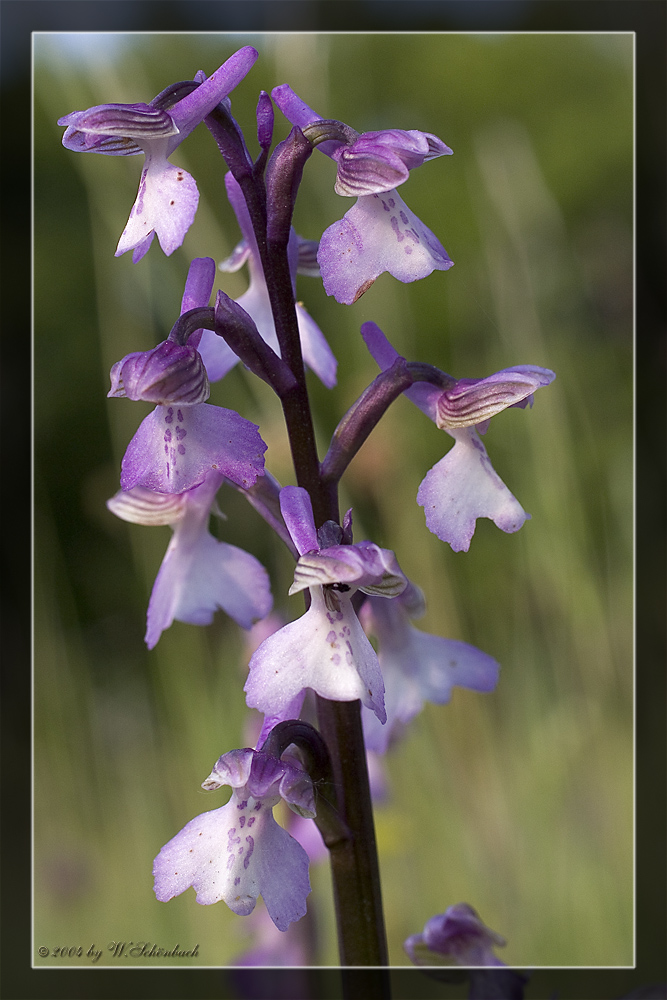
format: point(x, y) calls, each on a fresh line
point(354, 861)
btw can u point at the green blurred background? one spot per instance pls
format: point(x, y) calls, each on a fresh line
point(519, 802)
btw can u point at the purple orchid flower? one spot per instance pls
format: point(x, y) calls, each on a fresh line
point(168, 196)
point(199, 574)
point(218, 357)
point(239, 852)
point(463, 485)
point(455, 937)
point(326, 649)
point(184, 438)
point(379, 233)
point(416, 667)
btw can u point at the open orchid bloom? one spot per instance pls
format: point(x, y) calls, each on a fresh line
point(218, 357)
point(326, 649)
point(239, 852)
point(464, 485)
point(167, 199)
point(199, 574)
point(184, 438)
point(416, 667)
point(379, 233)
point(455, 937)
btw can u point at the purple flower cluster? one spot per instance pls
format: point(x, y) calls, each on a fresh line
point(188, 448)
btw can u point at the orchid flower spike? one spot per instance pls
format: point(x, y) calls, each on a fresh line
point(218, 357)
point(168, 195)
point(239, 852)
point(379, 233)
point(326, 649)
point(416, 667)
point(199, 574)
point(463, 485)
point(184, 438)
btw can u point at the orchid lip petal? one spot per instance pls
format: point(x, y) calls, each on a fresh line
point(239, 852)
point(325, 650)
point(379, 233)
point(175, 448)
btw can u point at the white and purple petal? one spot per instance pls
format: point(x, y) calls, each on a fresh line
point(325, 650)
point(200, 575)
point(379, 233)
point(417, 667)
point(463, 486)
point(165, 205)
point(237, 853)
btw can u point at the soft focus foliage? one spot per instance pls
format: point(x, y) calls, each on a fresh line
point(518, 801)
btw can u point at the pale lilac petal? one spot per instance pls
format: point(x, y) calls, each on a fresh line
point(316, 352)
point(473, 401)
point(217, 355)
point(379, 233)
point(175, 447)
point(196, 580)
point(422, 394)
point(236, 853)
point(199, 574)
point(324, 650)
point(166, 204)
point(236, 259)
point(464, 486)
point(297, 510)
point(403, 700)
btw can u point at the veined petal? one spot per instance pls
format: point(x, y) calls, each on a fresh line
point(142, 506)
point(166, 204)
point(364, 566)
point(472, 401)
point(116, 129)
point(175, 447)
point(324, 650)
point(463, 486)
point(379, 233)
point(379, 161)
point(169, 373)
